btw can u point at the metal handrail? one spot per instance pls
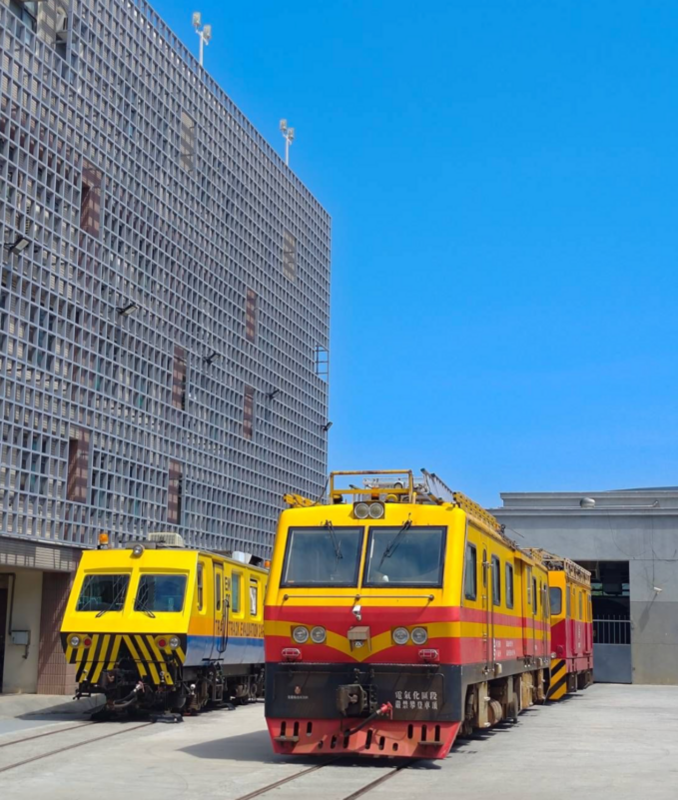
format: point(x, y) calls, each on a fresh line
point(356, 597)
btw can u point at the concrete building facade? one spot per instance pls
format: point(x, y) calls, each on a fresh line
point(629, 540)
point(164, 308)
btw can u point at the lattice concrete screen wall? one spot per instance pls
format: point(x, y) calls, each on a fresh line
point(176, 275)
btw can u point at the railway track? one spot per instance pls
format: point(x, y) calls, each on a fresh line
point(29, 758)
point(65, 748)
point(361, 792)
point(42, 735)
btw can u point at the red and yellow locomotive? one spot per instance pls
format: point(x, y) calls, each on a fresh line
point(571, 624)
point(397, 615)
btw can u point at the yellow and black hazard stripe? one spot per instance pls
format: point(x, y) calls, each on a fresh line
point(558, 683)
point(105, 649)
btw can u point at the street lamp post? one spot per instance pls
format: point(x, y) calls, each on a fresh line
point(204, 33)
point(288, 136)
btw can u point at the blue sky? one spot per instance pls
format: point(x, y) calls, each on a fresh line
point(503, 182)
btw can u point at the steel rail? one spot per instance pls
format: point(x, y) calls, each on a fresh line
point(72, 747)
point(378, 781)
point(354, 796)
point(47, 733)
point(282, 781)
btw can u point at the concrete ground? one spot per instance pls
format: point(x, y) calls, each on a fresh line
point(610, 742)
point(18, 712)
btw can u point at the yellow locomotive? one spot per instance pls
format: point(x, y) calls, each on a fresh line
point(155, 626)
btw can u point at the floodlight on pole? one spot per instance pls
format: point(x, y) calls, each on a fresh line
point(128, 308)
point(211, 358)
point(17, 246)
point(204, 33)
point(288, 136)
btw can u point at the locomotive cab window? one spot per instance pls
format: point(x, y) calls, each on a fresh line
point(509, 585)
point(535, 599)
point(103, 593)
point(496, 581)
point(254, 598)
point(236, 580)
point(201, 588)
point(323, 556)
point(217, 591)
point(581, 609)
point(405, 556)
point(556, 598)
point(471, 572)
point(160, 593)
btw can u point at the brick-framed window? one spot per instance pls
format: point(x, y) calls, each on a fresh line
point(289, 256)
point(78, 465)
point(179, 378)
point(251, 316)
point(90, 200)
point(175, 493)
point(248, 412)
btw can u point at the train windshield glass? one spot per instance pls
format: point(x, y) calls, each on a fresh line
point(405, 556)
point(324, 556)
point(160, 593)
point(103, 593)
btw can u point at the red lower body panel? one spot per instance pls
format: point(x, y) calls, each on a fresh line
point(378, 738)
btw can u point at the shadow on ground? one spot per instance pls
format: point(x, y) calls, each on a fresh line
point(256, 747)
point(70, 710)
point(85, 707)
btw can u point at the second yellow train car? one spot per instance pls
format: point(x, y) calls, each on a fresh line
point(165, 628)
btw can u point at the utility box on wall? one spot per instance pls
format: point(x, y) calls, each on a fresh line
point(22, 638)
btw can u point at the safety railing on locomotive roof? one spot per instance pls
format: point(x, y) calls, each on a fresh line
point(612, 629)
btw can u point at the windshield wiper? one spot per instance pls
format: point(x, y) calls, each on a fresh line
point(141, 605)
point(115, 602)
point(335, 541)
point(393, 546)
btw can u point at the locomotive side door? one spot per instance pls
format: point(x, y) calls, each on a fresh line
point(568, 619)
point(535, 615)
point(528, 619)
point(589, 625)
point(219, 621)
point(488, 627)
point(545, 618)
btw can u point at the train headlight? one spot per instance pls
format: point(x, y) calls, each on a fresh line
point(174, 642)
point(318, 634)
point(361, 511)
point(401, 635)
point(300, 634)
point(419, 635)
point(376, 510)
point(74, 641)
point(137, 550)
